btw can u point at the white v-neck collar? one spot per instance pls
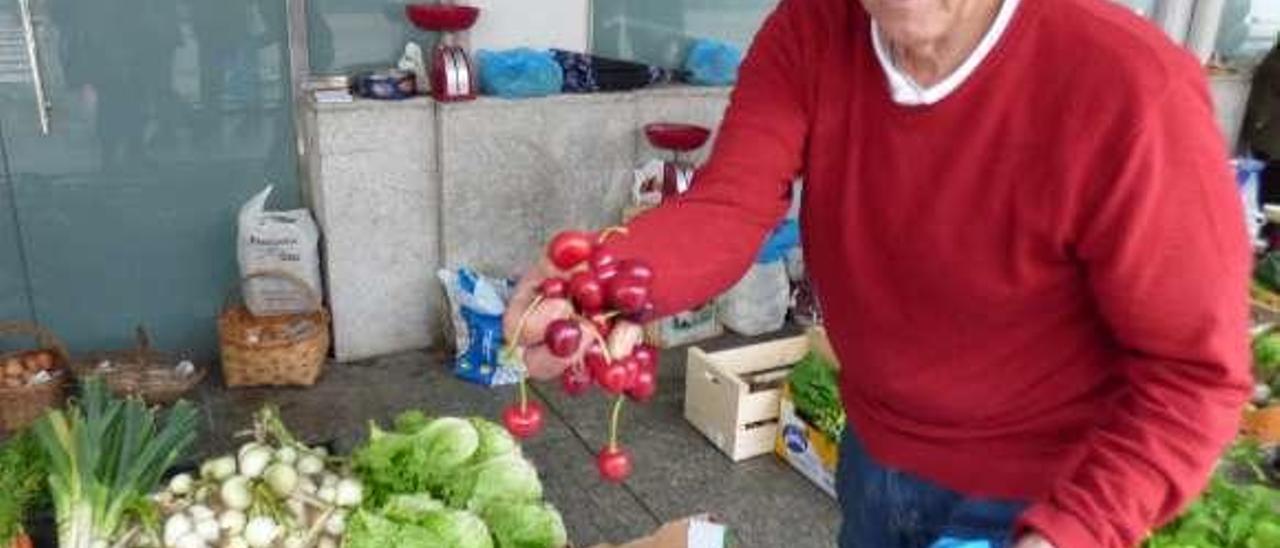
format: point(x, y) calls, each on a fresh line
point(906, 91)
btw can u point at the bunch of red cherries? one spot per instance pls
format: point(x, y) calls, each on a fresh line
point(610, 302)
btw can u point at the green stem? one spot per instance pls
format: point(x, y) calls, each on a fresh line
point(524, 395)
point(613, 423)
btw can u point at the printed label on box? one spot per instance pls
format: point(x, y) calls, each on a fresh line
point(805, 448)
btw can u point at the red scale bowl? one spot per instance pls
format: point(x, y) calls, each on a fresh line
point(677, 137)
point(442, 17)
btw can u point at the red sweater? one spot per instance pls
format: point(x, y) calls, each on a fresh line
point(1037, 287)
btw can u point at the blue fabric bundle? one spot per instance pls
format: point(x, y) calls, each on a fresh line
point(712, 63)
point(518, 73)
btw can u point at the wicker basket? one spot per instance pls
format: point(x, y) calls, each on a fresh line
point(286, 350)
point(140, 371)
point(19, 406)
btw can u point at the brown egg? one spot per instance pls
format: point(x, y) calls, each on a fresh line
point(43, 360)
point(12, 367)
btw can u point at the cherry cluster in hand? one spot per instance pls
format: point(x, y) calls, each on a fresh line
point(610, 302)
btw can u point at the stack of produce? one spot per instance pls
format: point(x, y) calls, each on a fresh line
point(275, 491)
point(452, 482)
point(607, 302)
point(816, 393)
point(30, 368)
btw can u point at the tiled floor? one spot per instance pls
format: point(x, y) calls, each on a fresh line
point(678, 472)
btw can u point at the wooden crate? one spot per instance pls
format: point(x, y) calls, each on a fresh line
point(732, 396)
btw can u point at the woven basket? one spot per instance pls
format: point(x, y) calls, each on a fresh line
point(140, 371)
point(20, 406)
point(286, 350)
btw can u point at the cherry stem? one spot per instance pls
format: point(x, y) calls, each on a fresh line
point(613, 423)
point(524, 396)
point(524, 319)
point(606, 233)
point(595, 334)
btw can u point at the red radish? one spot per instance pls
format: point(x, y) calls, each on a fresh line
point(594, 360)
point(553, 288)
point(522, 422)
point(614, 463)
point(647, 356)
point(575, 380)
point(627, 294)
point(643, 386)
point(637, 270)
point(569, 248)
point(586, 292)
point(563, 337)
point(600, 258)
point(614, 378)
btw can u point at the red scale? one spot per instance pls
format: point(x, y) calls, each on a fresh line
point(677, 173)
point(452, 75)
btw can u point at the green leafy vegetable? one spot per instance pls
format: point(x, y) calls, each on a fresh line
point(458, 529)
point(495, 441)
point(816, 391)
point(504, 478)
point(367, 529)
point(415, 462)
point(435, 528)
point(1237, 510)
point(410, 508)
point(525, 525)
point(22, 482)
point(1267, 271)
point(105, 455)
point(1266, 356)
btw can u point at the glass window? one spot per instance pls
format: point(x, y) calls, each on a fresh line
point(350, 35)
point(659, 31)
point(1248, 30)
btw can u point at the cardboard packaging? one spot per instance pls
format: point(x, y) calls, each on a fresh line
point(691, 532)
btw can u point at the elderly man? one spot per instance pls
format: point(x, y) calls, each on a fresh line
point(1020, 223)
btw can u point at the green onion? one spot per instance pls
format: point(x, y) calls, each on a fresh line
point(105, 456)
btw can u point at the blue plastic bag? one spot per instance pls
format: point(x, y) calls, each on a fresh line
point(477, 304)
point(783, 238)
point(520, 72)
point(712, 63)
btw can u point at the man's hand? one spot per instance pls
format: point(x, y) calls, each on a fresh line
point(538, 359)
point(1033, 540)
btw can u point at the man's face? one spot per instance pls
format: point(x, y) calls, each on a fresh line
point(917, 21)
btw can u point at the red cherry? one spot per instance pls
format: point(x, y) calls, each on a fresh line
point(646, 313)
point(595, 361)
point(563, 337)
point(637, 270)
point(607, 272)
point(569, 248)
point(586, 291)
point(603, 324)
point(553, 288)
point(575, 380)
point(647, 356)
point(627, 294)
point(522, 422)
point(614, 378)
point(632, 367)
point(600, 258)
point(644, 386)
point(614, 463)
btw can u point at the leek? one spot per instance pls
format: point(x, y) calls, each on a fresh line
point(105, 455)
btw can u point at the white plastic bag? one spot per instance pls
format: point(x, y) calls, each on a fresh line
point(278, 241)
point(476, 305)
point(758, 303)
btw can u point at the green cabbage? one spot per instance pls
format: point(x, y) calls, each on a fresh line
point(525, 525)
point(421, 461)
point(504, 478)
point(410, 508)
point(458, 529)
point(369, 530)
point(495, 441)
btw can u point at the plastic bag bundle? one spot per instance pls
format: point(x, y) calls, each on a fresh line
point(518, 73)
point(712, 63)
point(476, 305)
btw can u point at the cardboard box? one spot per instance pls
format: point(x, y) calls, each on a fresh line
point(689, 327)
point(692, 532)
point(732, 396)
point(807, 449)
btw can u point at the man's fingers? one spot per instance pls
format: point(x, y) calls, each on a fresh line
point(542, 365)
point(535, 327)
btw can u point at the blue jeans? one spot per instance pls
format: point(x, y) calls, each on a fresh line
point(886, 508)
